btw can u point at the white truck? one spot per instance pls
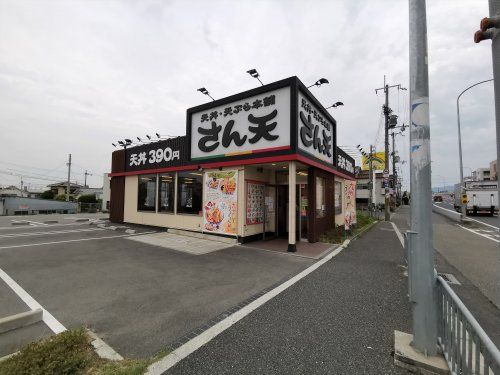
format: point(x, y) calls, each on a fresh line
point(482, 196)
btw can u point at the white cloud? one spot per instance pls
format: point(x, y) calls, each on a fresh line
point(75, 76)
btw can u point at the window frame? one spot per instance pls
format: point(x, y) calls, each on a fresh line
point(174, 190)
point(155, 176)
point(178, 208)
point(320, 212)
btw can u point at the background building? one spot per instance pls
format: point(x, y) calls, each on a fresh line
point(31, 206)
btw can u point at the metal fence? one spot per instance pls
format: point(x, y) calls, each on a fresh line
point(465, 345)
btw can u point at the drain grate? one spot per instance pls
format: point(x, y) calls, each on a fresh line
point(449, 278)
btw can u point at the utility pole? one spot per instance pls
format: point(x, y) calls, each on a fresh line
point(86, 174)
point(490, 29)
point(394, 173)
point(370, 184)
point(22, 186)
point(68, 186)
point(387, 114)
point(494, 6)
point(422, 274)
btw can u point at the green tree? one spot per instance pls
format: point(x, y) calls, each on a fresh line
point(89, 198)
point(60, 197)
point(47, 194)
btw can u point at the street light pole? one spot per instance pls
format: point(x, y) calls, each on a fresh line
point(463, 207)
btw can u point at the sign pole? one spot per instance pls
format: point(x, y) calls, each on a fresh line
point(423, 279)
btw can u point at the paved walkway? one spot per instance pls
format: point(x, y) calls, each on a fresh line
point(473, 260)
point(340, 319)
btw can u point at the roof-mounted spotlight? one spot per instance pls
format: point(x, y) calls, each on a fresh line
point(204, 91)
point(158, 135)
point(149, 137)
point(319, 82)
point(255, 74)
point(334, 105)
point(139, 139)
point(128, 141)
point(121, 143)
point(114, 145)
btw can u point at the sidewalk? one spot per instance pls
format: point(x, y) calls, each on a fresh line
point(340, 319)
point(465, 255)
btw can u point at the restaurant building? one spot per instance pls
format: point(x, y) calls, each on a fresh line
point(251, 165)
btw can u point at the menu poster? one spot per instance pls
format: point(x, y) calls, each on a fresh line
point(255, 203)
point(220, 202)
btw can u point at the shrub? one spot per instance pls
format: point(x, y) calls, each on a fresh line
point(89, 198)
point(47, 194)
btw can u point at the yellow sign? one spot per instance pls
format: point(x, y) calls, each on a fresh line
point(464, 199)
point(378, 161)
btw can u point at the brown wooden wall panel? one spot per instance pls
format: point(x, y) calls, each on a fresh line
point(117, 199)
point(118, 161)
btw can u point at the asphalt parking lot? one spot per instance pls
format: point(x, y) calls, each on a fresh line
point(140, 298)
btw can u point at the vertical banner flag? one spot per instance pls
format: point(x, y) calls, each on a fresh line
point(350, 204)
point(220, 207)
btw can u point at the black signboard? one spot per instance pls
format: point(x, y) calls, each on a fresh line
point(345, 163)
point(280, 118)
point(162, 154)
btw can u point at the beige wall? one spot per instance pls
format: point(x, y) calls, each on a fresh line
point(131, 215)
point(178, 221)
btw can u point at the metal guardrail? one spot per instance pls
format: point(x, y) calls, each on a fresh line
point(466, 347)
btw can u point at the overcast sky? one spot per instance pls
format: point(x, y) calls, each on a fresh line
point(78, 75)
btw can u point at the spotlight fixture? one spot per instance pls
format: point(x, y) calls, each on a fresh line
point(128, 141)
point(139, 139)
point(148, 137)
point(121, 143)
point(255, 74)
point(113, 144)
point(319, 82)
point(158, 135)
point(334, 105)
point(204, 91)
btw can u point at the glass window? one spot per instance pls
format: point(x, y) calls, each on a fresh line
point(189, 192)
point(338, 198)
point(320, 197)
point(166, 192)
point(146, 193)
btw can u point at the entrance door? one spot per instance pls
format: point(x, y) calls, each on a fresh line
point(282, 210)
point(302, 209)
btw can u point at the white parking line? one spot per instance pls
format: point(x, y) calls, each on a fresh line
point(44, 226)
point(483, 223)
point(398, 233)
point(479, 234)
point(47, 317)
point(36, 223)
point(77, 240)
point(28, 234)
